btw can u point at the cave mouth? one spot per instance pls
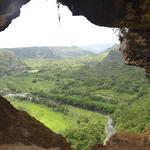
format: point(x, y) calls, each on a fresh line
point(64, 75)
point(38, 54)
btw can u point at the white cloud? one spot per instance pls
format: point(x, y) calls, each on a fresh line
point(38, 25)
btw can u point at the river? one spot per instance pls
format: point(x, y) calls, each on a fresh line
point(17, 95)
point(109, 129)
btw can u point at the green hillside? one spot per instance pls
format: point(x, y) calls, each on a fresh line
point(49, 52)
point(133, 116)
point(10, 64)
point(101, 83)
point(55, 120)
point(74, 124)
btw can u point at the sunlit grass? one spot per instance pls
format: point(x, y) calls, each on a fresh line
point(57, 121)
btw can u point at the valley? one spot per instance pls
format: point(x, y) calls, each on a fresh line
point(58, 121)
point(73, 94)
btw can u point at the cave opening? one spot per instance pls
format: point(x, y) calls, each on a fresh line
point(42, 47)
point(39, 25)
point(69, 74)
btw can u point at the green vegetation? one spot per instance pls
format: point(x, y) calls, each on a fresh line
point(85, 134)
point(135, 116)
point(85, 84)
point(55, 120)
point(82, 128)
point(50, 53)
point(10, 64)
point(99, 83)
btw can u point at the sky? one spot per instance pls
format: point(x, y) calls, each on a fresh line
point(38, 25)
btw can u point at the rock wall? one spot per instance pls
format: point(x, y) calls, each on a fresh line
point(9, 9)
point(125, 141)
point(17, 127)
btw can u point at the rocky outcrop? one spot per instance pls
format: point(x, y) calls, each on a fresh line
point(9, 9)
point(112, 13)
point(135, 46)
point(125, 141)
point(17, 127)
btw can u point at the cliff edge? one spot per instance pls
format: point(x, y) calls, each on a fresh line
point(126, 141)
point(18, 129)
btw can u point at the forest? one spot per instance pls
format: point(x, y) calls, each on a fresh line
point(66, 85)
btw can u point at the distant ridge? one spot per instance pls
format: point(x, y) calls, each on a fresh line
point(97, 48)
point(10, 64)
point(55, 52)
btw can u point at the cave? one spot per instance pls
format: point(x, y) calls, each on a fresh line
point(132, 17)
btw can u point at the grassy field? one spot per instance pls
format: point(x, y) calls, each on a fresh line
point(57, 121)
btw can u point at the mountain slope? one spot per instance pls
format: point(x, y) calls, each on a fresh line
point(10, 64)
point(106, 85)
point(97, 48)
point(50, 52)
point(33, 52)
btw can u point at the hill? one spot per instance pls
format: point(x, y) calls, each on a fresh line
point(49, 52)
point(100, 83)
point(97, 48)
point(10, 64)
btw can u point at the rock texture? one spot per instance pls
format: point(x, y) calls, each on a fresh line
point(18, 127)
point(24, 147)
point(126, 141)
point(112, 13)
point(135, 46)
point(9, 9)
